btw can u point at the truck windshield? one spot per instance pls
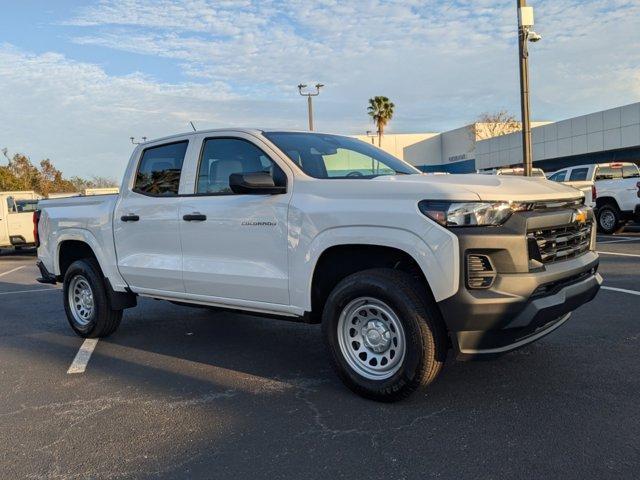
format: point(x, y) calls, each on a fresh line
point(333, 156)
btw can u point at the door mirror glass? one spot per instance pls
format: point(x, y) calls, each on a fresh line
point(258, 183)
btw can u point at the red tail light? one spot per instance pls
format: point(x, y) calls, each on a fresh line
point(36, 219)
point(594, 193)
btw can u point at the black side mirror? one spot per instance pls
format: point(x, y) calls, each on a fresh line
point(256, 183)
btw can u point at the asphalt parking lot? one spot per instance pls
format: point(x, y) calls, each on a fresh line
point(187, 392)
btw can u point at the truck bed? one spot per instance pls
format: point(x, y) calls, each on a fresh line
point(68, 219)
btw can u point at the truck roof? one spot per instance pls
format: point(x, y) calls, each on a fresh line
point(607, 164)
point(250, 131)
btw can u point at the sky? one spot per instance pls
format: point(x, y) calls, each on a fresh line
point(77, 79)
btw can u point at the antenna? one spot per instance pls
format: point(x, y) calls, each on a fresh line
point(193, 126)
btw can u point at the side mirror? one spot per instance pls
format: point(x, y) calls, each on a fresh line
point(255, 183)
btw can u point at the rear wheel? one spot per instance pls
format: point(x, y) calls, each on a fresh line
point(609, 219)
point(384, 334)
point(86, 302)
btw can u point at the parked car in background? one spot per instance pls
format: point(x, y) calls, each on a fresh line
point(615, 188)
point(16, 218)
point(86, 192)
point(588, 187)
point(535, 172)
point(397, 266)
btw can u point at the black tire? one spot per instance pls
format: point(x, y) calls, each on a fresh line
point(103, 320)
point(609, 214)
point(424, 331)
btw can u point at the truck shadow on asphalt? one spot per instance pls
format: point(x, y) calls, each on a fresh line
point(219, 381)
point(19, 253)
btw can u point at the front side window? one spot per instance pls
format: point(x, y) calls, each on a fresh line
point(578, 174)
point(334, 156)
point(222, 157)
point(558, 176)
point(159, 170)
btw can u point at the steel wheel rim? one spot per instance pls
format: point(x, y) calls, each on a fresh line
point(371, 338)
point(607, 219)
point(81, 300)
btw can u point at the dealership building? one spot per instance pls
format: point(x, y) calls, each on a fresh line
point(605, 136)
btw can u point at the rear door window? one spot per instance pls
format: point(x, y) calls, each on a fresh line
point(578, 174)
point(159, 170)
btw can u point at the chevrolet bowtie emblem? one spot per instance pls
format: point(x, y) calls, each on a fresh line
point(579, 216)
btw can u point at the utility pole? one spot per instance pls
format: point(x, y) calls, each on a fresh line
point(525, 35)
point(309, 101)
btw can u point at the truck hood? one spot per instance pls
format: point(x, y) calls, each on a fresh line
point(485, 187)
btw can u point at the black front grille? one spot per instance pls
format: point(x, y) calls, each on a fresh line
point(554, 287)
point(549, 245)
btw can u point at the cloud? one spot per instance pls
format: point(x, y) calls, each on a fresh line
point(82, 118)
point(442, 63)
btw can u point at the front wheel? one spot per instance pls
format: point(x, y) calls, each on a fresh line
point(384, 334)
point(609, 219)
point(86, 302)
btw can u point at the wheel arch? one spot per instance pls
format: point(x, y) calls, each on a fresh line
point(74, 243)
point(337, 254)
point(606, 200)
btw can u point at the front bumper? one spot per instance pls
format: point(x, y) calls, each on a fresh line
point(527, 300)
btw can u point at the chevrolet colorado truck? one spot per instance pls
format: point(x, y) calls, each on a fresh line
point(398, 267)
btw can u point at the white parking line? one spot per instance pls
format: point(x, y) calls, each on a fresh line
point(32, 290)
point(623, 290)
point(619, 254)
point(79, 363)
point(619, 241)
point(11, 271)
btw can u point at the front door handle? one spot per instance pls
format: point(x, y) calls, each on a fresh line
point(130, 218)
point(194, 217)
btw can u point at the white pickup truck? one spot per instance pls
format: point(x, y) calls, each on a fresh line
point(16, 218)
point(615, 190)
point(399, 267)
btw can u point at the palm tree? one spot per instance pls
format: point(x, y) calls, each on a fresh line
point(381, 110)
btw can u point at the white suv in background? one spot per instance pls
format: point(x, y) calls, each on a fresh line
point(616, 191)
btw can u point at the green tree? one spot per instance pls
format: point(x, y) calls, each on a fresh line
point(21, 174)
point(380, 109)
point(52, 181)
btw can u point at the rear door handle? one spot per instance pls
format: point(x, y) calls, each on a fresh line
point(194, 217)
point(130, 218)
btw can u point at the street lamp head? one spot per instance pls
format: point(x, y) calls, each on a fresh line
point(533, 36)
point(319, 85)
point(301, 86)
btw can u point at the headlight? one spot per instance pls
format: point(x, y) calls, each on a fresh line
point(468, 214)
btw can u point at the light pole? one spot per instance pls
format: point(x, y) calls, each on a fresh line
point(372, 136)
point(309, 101)
point(525, 35)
